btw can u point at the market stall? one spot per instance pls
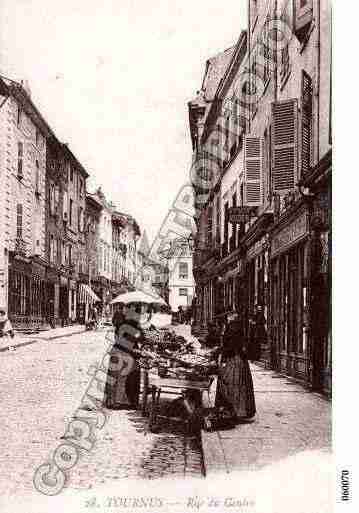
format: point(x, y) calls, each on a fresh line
point(175, 367)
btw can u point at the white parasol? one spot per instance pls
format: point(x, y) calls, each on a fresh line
point(138, 296)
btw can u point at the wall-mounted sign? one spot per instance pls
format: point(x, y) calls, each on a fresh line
point(290, 234)
point(239, 215)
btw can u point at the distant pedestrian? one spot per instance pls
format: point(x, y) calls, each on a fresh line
point(180, 315)
point(235, 384)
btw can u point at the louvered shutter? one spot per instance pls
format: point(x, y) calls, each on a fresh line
point(284, 145)
point(303, 14)
point(253, 171)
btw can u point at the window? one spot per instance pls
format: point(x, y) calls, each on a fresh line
point(71, 173)
point(37, 177)
point(70, 256)
point(18, 120)
point(183, 292)
point(38, 137)
point(183, 271)
point(52, 199)
point(81, 219)
point(81, 187)
point(218, 222)
point(19, 221)
point(307, 109)
point(267, 165)
point(209, 225)
point(285, 64)
point(63, 253)
point(20, 156)
point(70, 213)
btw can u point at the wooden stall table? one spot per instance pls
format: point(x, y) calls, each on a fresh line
point(177, 386)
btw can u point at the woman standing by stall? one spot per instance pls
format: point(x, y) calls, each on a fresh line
point(123, 379)
point(235, 384)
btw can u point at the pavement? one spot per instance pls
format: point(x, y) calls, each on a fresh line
point(289, 420)
point(24, 339)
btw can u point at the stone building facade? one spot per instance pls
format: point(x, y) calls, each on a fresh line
point(23, 134)
point(264, 224)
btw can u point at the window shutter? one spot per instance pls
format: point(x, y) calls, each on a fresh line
point(303, 15)
point(284, 145)
point(253, 171)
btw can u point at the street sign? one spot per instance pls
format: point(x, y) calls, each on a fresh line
point(239, 215)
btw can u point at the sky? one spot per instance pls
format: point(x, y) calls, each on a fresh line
point(113, 79)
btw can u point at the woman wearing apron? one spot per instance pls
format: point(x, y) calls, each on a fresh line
point(235, 385)
point(123, 378)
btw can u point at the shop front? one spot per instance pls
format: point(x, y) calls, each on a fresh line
point(28, 304)
point(289, 283)
point(64, 300)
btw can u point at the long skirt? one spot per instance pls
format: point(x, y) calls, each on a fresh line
point(122, 388)
point(235, 387)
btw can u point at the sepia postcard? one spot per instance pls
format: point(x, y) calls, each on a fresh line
point(166, 258)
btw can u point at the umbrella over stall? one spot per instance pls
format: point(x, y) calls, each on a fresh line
point(138, 296)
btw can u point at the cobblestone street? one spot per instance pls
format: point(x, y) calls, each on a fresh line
point(41, 387)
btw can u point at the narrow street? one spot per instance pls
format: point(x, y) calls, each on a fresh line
point(41, 386)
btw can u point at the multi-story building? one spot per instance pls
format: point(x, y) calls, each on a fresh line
point(23, 134)
point(180, 276)
point(90, 287)
point(65, 230)
point(273, 165)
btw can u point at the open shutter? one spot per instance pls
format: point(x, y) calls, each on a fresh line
point(303, 15)
point(253, 162)
point(284, 145)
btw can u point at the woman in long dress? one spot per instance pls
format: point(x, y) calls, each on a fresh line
point(122, 388)
point(235, 384)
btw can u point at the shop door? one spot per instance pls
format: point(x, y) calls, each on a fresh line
point(320, 315)
point(64, 303)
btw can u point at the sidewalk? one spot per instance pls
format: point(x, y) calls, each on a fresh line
point(289, 420)
point(22, 339)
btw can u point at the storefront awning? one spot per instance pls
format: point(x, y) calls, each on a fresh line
point(87, 295)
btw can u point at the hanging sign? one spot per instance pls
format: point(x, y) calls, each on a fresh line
point(238, 215)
